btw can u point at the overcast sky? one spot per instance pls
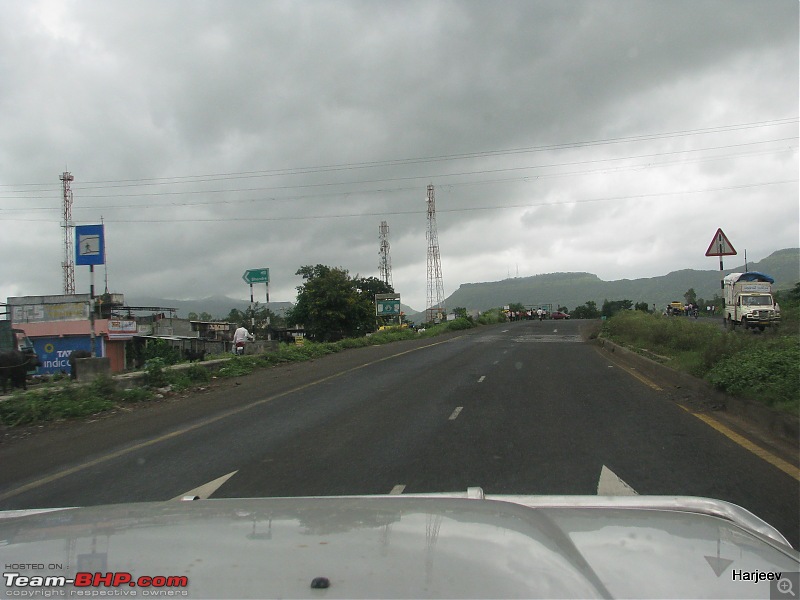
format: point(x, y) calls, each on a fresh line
point(608, 136)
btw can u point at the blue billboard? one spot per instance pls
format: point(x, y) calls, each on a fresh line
point(53, 352)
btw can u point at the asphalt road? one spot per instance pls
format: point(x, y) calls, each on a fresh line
point(522, 408)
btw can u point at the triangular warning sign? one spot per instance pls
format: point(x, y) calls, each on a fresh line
point(720, 246)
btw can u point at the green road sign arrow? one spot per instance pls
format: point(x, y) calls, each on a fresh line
point(256, 276)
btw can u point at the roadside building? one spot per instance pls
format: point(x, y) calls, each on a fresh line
point(60, 324)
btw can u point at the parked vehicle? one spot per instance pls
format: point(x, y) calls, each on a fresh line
point(675, 307)
point(749, 301)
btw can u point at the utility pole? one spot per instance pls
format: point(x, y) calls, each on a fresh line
point(68, 265)
point(435, 299)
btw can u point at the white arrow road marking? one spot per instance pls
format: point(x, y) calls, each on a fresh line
point(205, 490)
point(611, 485)
point(456, 412)
point(717, 563)
point(398, 489)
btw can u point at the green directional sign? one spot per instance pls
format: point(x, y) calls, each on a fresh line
point(387, 308)
point(256, 276)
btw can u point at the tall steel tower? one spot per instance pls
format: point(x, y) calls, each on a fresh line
point(435, 308)
point(69, 262)
point(385, 261)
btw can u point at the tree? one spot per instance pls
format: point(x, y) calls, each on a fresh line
point(642, 306)
point(612, 307)
point(690, 296)
point(332, 305)
point(587, 311)
point(460, 312)
point(257, 319)
point(192, 316)
point(372, 285)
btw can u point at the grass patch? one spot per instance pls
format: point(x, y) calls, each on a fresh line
point(62, 402)
point(763, 367)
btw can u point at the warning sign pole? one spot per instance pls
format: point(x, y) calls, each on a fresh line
point(720, 246)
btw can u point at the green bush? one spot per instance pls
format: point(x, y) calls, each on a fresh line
point(765, 367)
point(161, 349)
point(198, 374)
point(492, 317)
point(135, 395)
point(769, 372)
point(155, 376)
point(238, 366)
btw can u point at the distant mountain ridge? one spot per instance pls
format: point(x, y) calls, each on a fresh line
point(564, 289)
point(575, 289)
point(217, 306)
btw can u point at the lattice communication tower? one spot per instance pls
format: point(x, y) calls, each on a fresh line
point(69, 262)
point(435, 301)
point(385, 261)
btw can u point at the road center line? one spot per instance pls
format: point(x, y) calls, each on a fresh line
point(179, 432)
point(482, 378)
point(456, 412)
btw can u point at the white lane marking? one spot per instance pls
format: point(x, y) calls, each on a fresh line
point(482, 378)
point(497, 362)
point(397, 490)
point(205, 490)
point(456, 412)
point(611, 485)
point(504, 331)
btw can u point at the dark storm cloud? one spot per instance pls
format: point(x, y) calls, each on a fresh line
point(214, 137)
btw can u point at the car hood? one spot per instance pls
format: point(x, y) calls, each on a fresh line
point(437, 546)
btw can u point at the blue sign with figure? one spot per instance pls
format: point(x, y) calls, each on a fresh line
point(89, 245)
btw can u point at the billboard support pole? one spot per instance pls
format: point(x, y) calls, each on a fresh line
point(91, 311)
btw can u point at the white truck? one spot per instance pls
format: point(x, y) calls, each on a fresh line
point(749, 301)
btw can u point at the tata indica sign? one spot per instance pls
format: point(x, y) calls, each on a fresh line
point(54, 352)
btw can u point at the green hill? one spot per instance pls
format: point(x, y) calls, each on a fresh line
point(575, 289)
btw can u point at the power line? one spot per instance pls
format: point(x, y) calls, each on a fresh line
point(437, 176)
point(251, 218)
point(180, 179)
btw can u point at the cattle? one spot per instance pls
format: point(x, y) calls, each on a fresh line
point(14, 367)
point(192, 355)
point(73, 356)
